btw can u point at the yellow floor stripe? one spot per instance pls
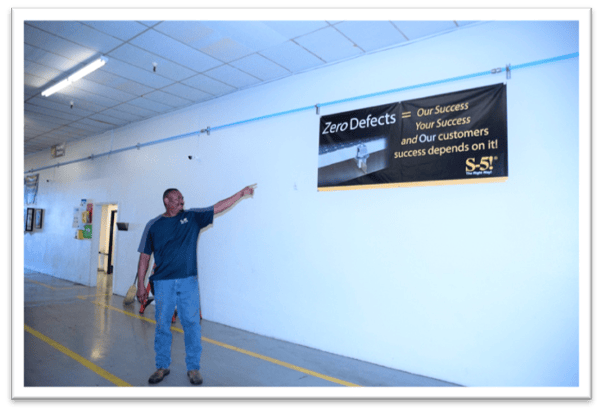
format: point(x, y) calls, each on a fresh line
point(95, 368)
point(52, 288)
point(281, 363)
point(110, 307)
point(84, 297)
point(35, 282)
point(242, 351)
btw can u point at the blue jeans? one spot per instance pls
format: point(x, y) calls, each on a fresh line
point(184, 294)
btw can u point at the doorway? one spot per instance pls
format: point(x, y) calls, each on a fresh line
point(111, 240)
point(107, 244)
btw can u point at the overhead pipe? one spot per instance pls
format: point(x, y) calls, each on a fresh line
point(508, 69)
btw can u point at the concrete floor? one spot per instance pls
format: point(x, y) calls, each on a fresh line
point(85, 336)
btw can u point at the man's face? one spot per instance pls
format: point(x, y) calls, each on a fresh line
point(174, 202)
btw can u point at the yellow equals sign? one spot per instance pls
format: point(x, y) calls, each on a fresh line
point(406, 114)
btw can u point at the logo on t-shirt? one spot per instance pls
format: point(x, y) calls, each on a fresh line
point(183, 221)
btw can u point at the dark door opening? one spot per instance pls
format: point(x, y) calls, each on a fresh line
point(113, 215)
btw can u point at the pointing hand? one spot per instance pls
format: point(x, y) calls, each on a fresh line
point(249, 190)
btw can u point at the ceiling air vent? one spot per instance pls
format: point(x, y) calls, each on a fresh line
point(58, 151)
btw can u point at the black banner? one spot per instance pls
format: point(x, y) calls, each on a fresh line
point(460, 137)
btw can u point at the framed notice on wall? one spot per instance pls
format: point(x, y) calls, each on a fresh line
point(29, 219)
point(39, 217)
point(453, 138)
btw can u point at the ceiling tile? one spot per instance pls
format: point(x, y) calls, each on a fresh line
point(150, 105)
point(193, 33)
point(108, 92)
point(209, 85)
point(136, 74)
point(167, 99)
point(254, 35)
point(114, 81)
point(51, 112)
point(465, 23)
point(121, 114)
point(175, 51)
point(33, 131)
point(51, 138)
point(34, 81)
point(146, 60)
point(78, 130)
point(418, 29)
point(292, 56)
point(33, 53)
point(79, 95)
point(46, 119)
point(30, 91)
point(110, 120)
point(292, 29)
point(186, 92)
point(82, 100)
point(96, 40)
point(47, 59)
point(43, 72)
point(328, 44)
point(93, 124)
point(64, 29)
point(39, 127)
point(61, 105)
point(260, 67)
point(371, 35)
point(136, 110)
point(34, 126)
point(226, 50)
point(149, 23)
point(232, 76)
point(56, 45)
point(80, 34)
point(123, 30)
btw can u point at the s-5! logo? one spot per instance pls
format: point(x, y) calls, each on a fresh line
point(484, 167)
point(485, 163)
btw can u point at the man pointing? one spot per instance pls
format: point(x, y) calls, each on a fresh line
point(173, 238)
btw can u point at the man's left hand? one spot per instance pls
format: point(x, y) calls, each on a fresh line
point(249, 190)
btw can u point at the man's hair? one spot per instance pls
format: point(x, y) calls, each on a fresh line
point(167, 193)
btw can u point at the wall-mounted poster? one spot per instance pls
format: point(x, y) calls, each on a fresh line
point(76, 217)
point(90, 210)
point(39, 216)
point(31, 188)
point(29, 219)
point(453, 138)
point(87, 231)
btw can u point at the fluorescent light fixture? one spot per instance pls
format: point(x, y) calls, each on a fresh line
point(76, 76)
point(88, 69)
point(56, 87)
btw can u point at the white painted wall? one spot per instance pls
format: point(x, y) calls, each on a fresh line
point(474, 284)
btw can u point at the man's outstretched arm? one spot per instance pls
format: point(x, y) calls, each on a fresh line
point(230, 201)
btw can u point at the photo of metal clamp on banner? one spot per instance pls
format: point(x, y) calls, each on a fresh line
point(349, 160)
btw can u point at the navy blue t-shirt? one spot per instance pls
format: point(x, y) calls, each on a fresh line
point(174, 242)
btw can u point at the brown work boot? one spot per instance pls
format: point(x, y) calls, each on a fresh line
point(195, 377)
point(159, 375)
